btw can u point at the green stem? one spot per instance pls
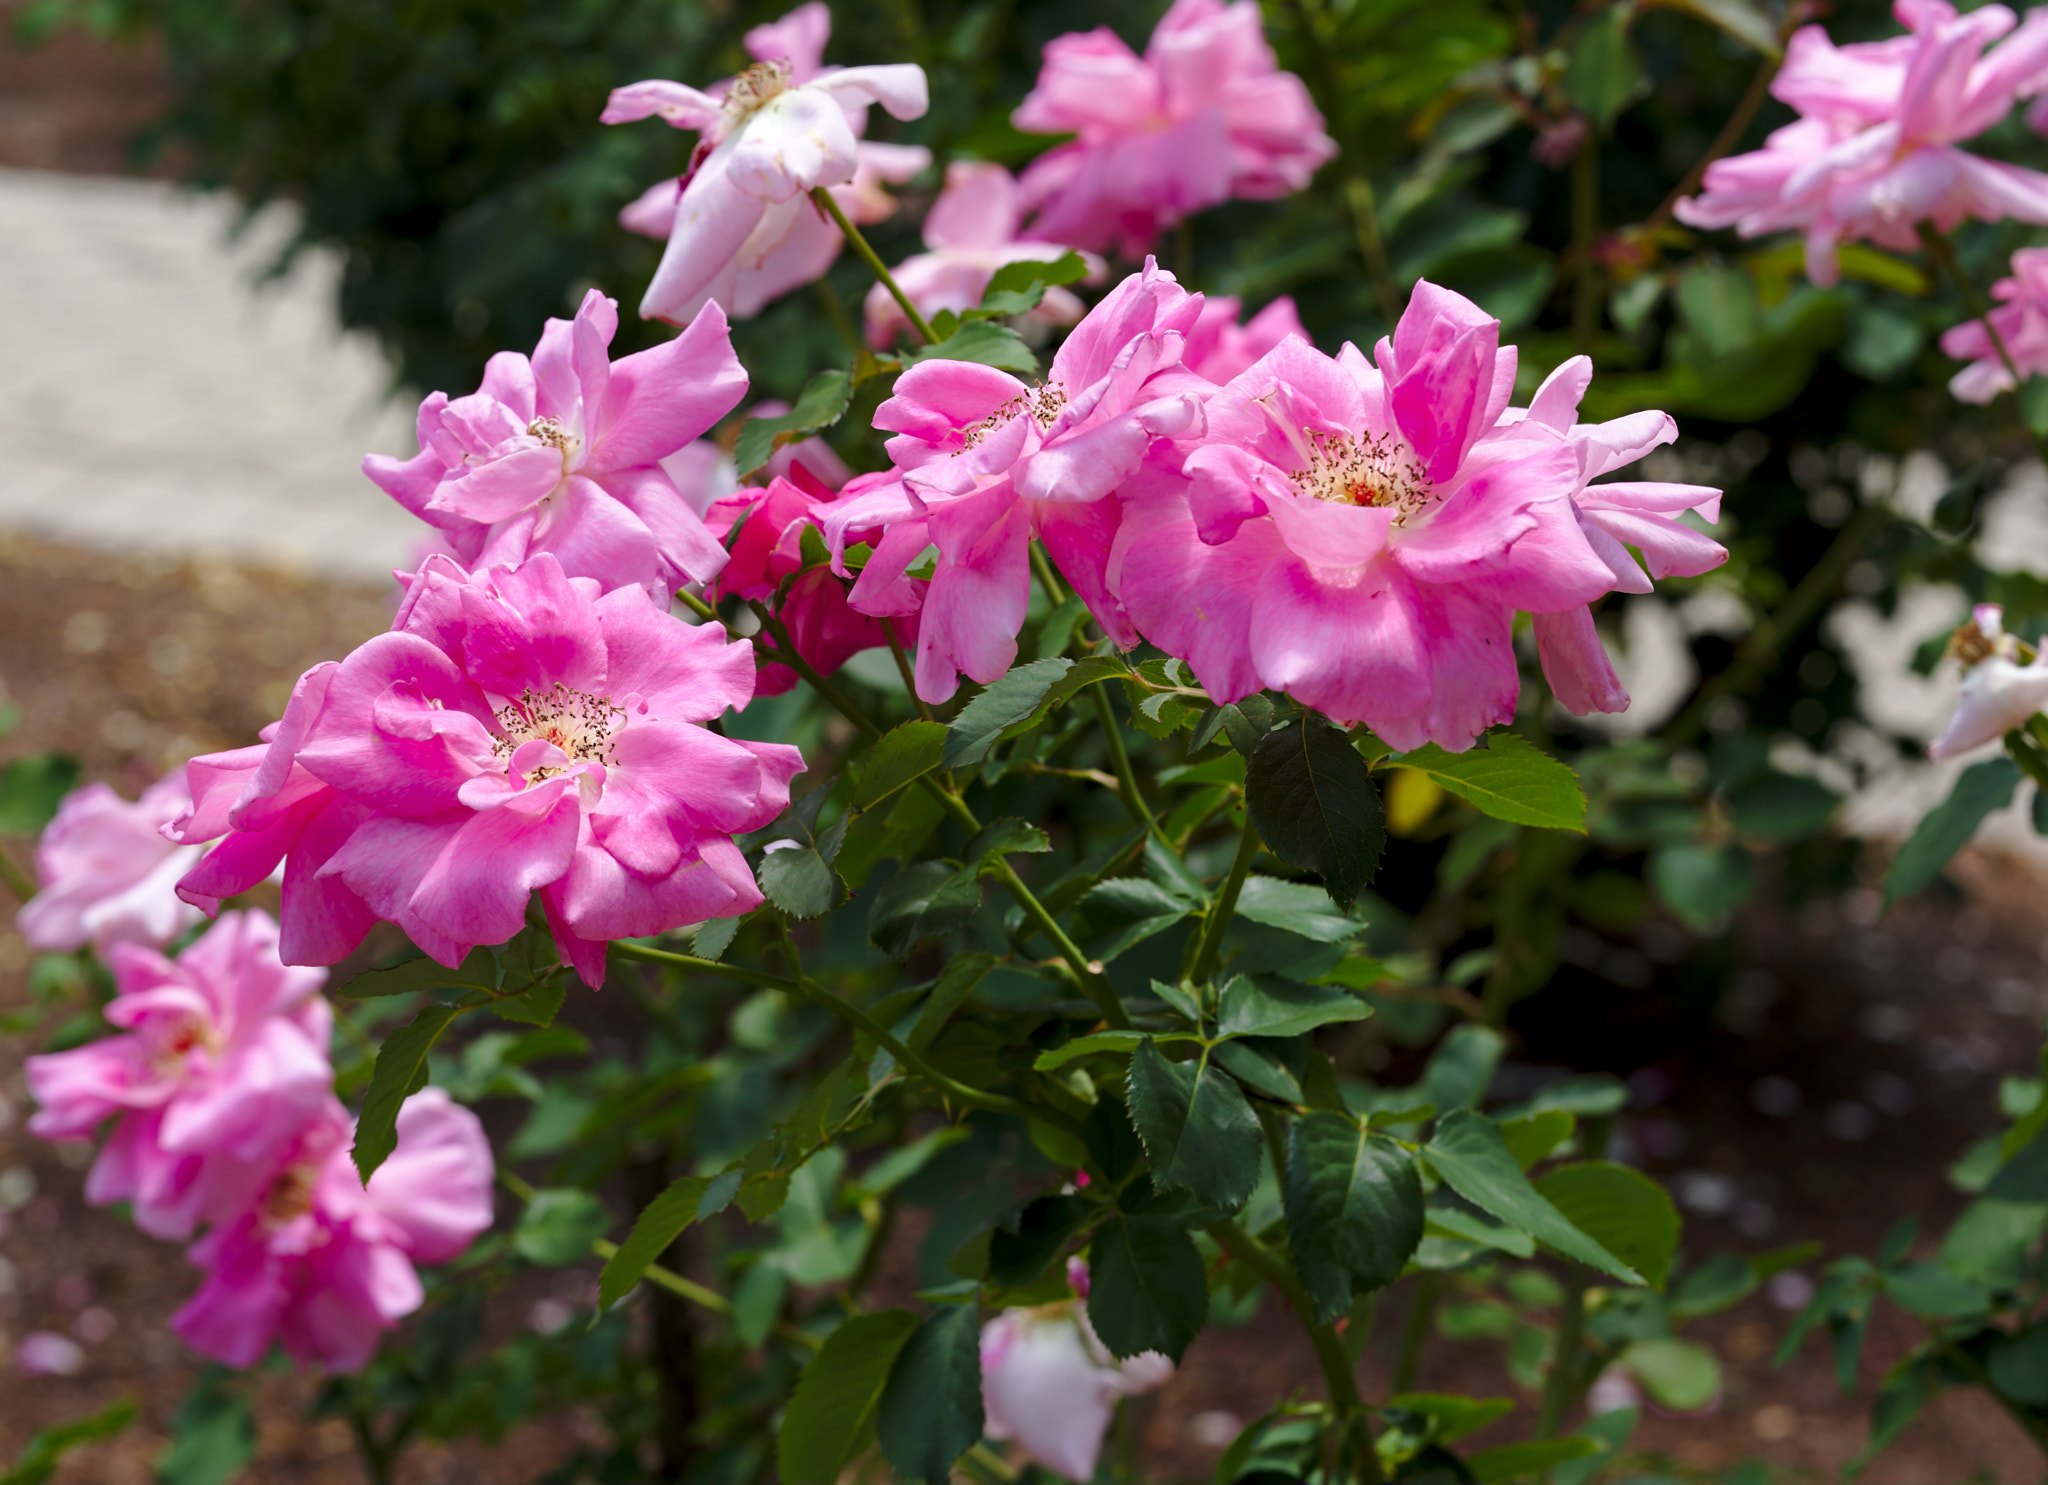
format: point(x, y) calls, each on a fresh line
point(1218, 920)
point(866, 254)
point(1120, 761)
point(1571, 1326)
point(16, 878)
point(1365, 219)
point(1415, 1332)
point(904, 669)
point(1585, 227)
point(1731, 131)
point(653, 955)
point(1942, 251)
point(376, 1457)
point(698, 606)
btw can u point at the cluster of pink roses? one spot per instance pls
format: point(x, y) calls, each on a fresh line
point(224, 1117)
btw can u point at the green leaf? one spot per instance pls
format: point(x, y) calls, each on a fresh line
point(1519, 1461)
point(1746, 22)
point(401, 1071)
point(32, 788)
point(1147, 1289)
point(214, 1435)
point(1930, 1291)
point(1468, 1153)
point(1268, 1006)
point(1470, 1227)
point(927, 898)
point(536, 1006)
point(1702, 884)
point(1509, 778)
point(1623, 1210)
point(1605, 74)
point(1313, 803)
point(955, 983)
point(1295, 907)
point(1947, 828)
point(1018, 699)
point(559, 1225)
point(1198, 1130)
point(1021, 1252)
point(930, 1410)
point(2019, 1366)
point(478, 971)
point(898, 757)
point(797, 880)
point(1532, 1136)
point(983, 342)
point(822, 403)
point(712, 939)
point(1353, 1204)
point(39, 1458)
point(688, 1200)
point(1017, 287)
point(1125, 911)
point(1680, 1375)
point(1004, 837)
point(1085, 1046)
point(1608, 1432)
point(831, 1415)
point(1454, 1416)
point(1461, 1068)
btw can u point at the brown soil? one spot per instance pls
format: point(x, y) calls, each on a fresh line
point(73, 102)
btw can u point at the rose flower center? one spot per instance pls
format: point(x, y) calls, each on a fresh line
point(756, 86)
point(577, 722)
point(290, 1195)
point(1042, 403)
point(1349, 470)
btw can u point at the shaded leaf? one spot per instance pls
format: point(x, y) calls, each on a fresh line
point(1198, 1130)
point(930, 1411)
point(897, 758)
point(478, 971)
point(1295, 907)
point(401, 1071)
point(1266, 1006)
point(1946, 829)
point(797, 880)
point(822, 403)
point(659, 1224)
point(1313, 803)
point(1468, 1153)
point(1623, 1210)
point(1353, 1205)
point(1147, 1290)
point(32, 788)
point(926, 898)
point(831, 1415)
point(1117, 914)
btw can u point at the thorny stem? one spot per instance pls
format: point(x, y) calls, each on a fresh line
point(1943, 253)
point(1338, 1375)
point(1220, 911)
point(867, 255)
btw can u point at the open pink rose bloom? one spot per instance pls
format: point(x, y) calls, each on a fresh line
point(219, 1055)
point(2021, 320)
point(108, 875)
point(1873, 153)
point(518, 731)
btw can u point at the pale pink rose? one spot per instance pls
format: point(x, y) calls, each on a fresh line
point(324, 1265)
point(971, 231)
point(740, 229)
point(1050, 1384)
point(1873, 152)
point(1360, 536)
point(107, 873)
point(768, 552)
point(2021, 320)
point(222, 1056)
point(986, 462)
point(562, 453)
point(518, 731)
point(1219, 347)
point(1204, 117)
point(1999, 693)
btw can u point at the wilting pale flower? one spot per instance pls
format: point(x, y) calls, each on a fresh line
point(516, 732)
point(765, 138)
point(987, 462)
point(1219, 347)
point(325, 1265)
point(562, 453)
point(768, 552)
point(222, 1056)
point(1361, 536)
point(971, 231)
point(107, 873)
point(2021, 320)
point(1873, 152)
point(1050, 1384)
point(1999, 693)
point(1204, 117)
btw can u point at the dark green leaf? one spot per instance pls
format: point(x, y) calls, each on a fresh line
point(536, 1006)
point(797, 880)
point(1125, 911)
point(831, 1416)
point(1313, 803)
point(1087, 1046)
point(1947, 828)
point(479, 971)
point(1004, 837)
point(714, 938)
point(956, 982)
point(32, 788)
point(1702, 884)
point(1932, 1292)
point(401, 1072)
point(2019, 1366)
point(1147, 1290)
point(1523, 1461)
point(1296, 908)
point(1605, 75)
point(984, 342)
point(927, 898)
point(1267, 1006)
point(1198, 1131)
point(1164, 866)
point(1623, 1210)
point(559, 1225)
point(1468, 1153)
point(39, 1459)
point(930, 1410)
point(1016, 700)
point(214, 1434)
point(1461, 1068)
point(1354, 1209)
point(1907, 1388)
point(822, 403)
point(1780, 807)
point(1018, 1254)
point(1509, 778)
point(897, 758)
point(690, 1199)
point(1112, 1143)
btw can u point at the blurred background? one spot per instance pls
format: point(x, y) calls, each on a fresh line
point(237, 242)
